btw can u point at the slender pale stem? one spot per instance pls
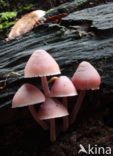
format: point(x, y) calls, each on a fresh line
point(45, 86)
point(35, 116)
point(77, 106)
point(52, 130)
point(65, 119)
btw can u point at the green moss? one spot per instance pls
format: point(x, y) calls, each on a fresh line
point(28, 6)
point(9, 10)
point(3, 3)
point(5, 18)
point(23, 7)
point(7, 15)
point(1, 26)
point(92, 26)
point(6, 25)
point(48, 11)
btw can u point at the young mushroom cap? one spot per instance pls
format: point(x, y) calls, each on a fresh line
point(86, 77)
point(26, 95)
point(41, 64)
point(63, 87)
point(52, 108)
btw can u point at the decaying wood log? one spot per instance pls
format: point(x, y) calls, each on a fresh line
point(99, 16)
point(68, 42)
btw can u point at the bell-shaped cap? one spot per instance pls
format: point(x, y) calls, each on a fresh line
point(41, 64)
point(86, 77)
point(27, 94)
point(52, 108)
point(63, 87)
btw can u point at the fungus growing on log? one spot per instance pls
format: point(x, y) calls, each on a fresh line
point(41, 64)
point(52, 109)
point(85, 78)
point(63, 87)
point(28, 95)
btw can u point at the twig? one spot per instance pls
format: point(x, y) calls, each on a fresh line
point(5, 81)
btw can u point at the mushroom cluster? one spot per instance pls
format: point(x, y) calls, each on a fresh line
point(41, 64)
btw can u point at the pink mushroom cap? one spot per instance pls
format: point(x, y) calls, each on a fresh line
point(86, 77)
point(27, 94)
point(63, 87)
point(52, 109)
point(41, 64)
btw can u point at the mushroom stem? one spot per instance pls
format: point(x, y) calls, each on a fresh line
point(52, 130)
point(77, 106)
point(45, 86)
point(35, 116)
point(65, 119)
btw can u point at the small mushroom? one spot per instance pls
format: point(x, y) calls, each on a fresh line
point(28, 95)
point(52, 109)
point(85, 78)
point(41, 64)
point(63, 87)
